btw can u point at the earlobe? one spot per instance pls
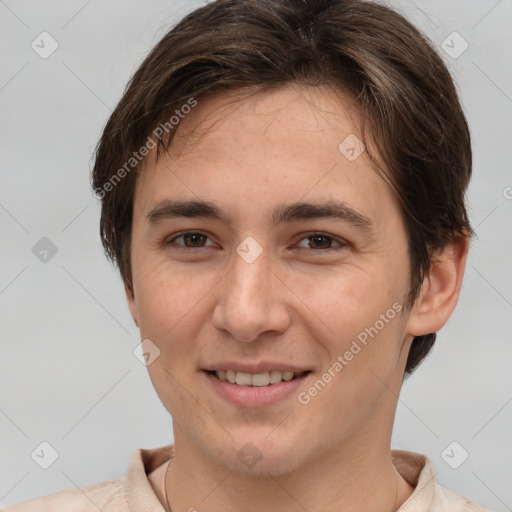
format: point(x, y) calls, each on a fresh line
point(440, 290)
point(132, 305)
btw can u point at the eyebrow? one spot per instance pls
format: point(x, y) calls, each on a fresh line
point(282, 213)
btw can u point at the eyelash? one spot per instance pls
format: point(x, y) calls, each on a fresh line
point(183, 248)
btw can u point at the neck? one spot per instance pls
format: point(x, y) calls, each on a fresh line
point(350, 477)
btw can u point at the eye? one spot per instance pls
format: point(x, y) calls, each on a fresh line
point(191, 240)
point(318, 242)
point(322, 242)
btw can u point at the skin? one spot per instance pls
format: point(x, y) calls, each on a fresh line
point(301, 302)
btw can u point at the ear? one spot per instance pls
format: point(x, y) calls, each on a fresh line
point(132, 304)
point(440, 289)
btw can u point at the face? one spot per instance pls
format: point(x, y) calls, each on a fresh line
point(286, 257)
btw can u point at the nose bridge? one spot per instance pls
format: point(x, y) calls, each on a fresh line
point(249, 301)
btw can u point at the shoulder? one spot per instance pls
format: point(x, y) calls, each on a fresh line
point(105, 496)
point(445, 500)
point(131, 492)
point(428, 495)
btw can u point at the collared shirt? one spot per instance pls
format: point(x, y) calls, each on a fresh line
point(133, 492)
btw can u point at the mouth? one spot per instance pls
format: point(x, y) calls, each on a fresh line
point(254, 390)
point(262, 379)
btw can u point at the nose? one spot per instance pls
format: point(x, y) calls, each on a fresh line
point(251, 301)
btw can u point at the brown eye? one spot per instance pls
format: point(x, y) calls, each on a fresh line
point(190, 240)
point(322, 242)
point(195, 239)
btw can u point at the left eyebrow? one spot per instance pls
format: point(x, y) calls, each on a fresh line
point(330, 209)
point(283, 213)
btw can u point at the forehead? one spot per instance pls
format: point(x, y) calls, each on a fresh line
point(290, 112)
point(266, 148)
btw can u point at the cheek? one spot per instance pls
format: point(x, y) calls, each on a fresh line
point(166, 294)
point(170, 306)
point(359, 320)
point(350, 299)
point(362, 357)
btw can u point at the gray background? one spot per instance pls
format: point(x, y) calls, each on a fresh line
point(67, 371)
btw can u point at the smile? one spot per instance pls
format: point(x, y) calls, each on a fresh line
point(256, 379)
point(254, 390)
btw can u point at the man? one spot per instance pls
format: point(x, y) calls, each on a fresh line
point(282, 189)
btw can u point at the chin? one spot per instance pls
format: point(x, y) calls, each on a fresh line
point(261, 454)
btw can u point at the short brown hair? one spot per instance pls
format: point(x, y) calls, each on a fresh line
point(402, 87)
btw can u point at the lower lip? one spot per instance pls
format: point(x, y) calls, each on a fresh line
point(255, 396)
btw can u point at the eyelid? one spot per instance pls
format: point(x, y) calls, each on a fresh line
point(342, 243)
point(174, 236)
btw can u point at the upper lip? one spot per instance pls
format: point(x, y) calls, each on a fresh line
point(261, 367)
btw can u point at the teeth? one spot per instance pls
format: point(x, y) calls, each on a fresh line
point(287, 375)
point(260, 379)
point(243, 379)
point(256, 379)
point(275, 377)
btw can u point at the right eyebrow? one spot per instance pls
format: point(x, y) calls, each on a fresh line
point(283, 213)
point(171, 208)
